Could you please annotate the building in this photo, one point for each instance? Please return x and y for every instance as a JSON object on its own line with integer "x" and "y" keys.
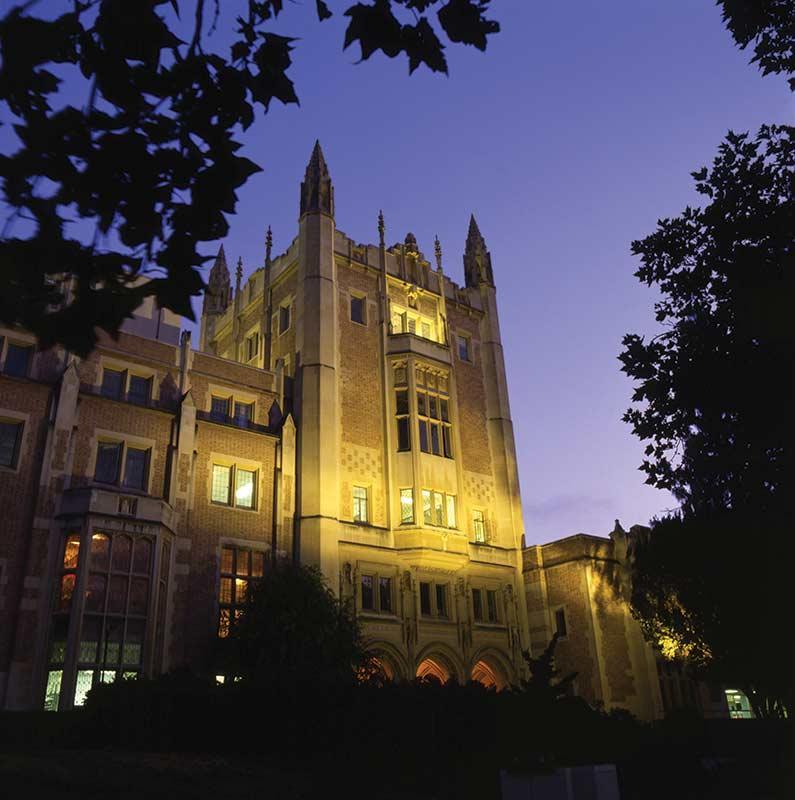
{"x": 347, "y": 405}
{"x": 578, "y": 588}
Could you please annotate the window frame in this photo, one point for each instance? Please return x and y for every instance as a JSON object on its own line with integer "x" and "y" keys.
{"x": 435, "y": 590}
{"x": 485, "y": 594}
{"x": 432, "y": 404}
{"x": 433, "y": 501}
{"x": 479, "y": 517}
{"x": 358, "y": 502}
{"x": 233, "y": 467}
{"x": 6, "y": 344}
{"x": 560, "y": 610}
{"x": 124, "y": 445}
{"x": 127, "y": 372}
{"x": 285, "y": 307}
{"x": 402, "y": 493}
{"x": 256, "y": 559}
{"x": 19, "y": 424}
{"x": 464, "y": 339}
{"x": 358, "y": 297}
{"x": 376, "y": 574}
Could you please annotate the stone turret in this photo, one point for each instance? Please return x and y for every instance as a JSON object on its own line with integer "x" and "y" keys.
{"x": 317, "y": 193}
{"x": 218, "y": 294}
{"x": 477, "y": 259}
{"x": 217, "y": 297}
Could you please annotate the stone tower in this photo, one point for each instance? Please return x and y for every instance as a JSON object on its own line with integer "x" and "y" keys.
{"x": 217, "y": 297}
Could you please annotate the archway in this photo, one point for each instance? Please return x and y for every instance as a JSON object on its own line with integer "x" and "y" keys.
{"x": 490, "y": 676}
{"x": 433, "y": 669}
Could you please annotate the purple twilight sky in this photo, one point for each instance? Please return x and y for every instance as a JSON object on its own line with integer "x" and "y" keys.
{"x": 568, "y": 138}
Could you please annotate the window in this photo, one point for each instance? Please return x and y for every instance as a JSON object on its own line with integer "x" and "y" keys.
{"x": 359, "y": 504}
{"x": 406, "y": 506}
{"x": 10, "y": 440}
{"x": 112, "y": 383}
{"x": 219, "y": 408}
{"x": 402, "y": 410}
{"x": 479, "y": 526}
{"x": 140, "y": 390}
{"x": 560, "y": 622}
{"x": 403, "y": 321}
{"x": 433, "y": 413}
{"x": 434, "y": 599}
{"x": 284, "y": 318}
{"x": 123, "y": 385}
{"x": 358, "y": 310}
{"x": 18, "y": 358}
{"x": 121, "y": 464}
{"x": 227, "y": 409}
{"x": 477, "y": 604}
{"x": 244, "y": 413}
{"x": 438, "y": 509}
{"x": 116, "y": 604}
{"x": 491, "y": 605}
{"x": 239, "y": 568}
{"x": 376, "y": 593}
{"x": 252, "y": 346}
{"x": 244, "y": 481}
{"x": 464, "y": 347}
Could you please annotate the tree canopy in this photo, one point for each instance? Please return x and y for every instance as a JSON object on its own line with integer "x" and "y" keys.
{"x": 149, "y": 162}
{"x": 294, "y": 634}
{"x": 714, "y": 397}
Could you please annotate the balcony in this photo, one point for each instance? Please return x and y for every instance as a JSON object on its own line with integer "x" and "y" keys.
{"x": 113, "y": 503}
{"x": 241, "y": 423}
{"x": 163, "y": 403}
{"x": 412, "y": 343}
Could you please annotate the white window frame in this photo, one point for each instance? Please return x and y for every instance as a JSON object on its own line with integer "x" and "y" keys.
{"x": 233, "y": 466}
{"x": 357, "y": 502}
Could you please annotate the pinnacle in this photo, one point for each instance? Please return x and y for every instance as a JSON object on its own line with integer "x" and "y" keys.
{"x": 474, "y": 230}
{"x": 317, "y": 162}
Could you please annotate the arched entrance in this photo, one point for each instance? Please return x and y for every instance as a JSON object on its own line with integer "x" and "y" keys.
{"x": 433, "y": 669}
{"x": 488, "y": 675}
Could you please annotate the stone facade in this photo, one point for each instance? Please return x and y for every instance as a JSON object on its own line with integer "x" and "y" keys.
{"x": 347, "y": 405}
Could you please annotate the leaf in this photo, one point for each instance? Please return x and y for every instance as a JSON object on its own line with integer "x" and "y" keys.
{"x": 323, "y": 11}
{"x": 375, "y": 28}
{"x": 422, "y": 46}
{"x": 464, "y": 21}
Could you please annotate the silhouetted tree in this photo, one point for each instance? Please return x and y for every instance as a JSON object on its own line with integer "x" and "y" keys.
{"x": 294, "y": 634}
{"x": 148, "y": 163}
{"x": 770, "y": 26}
{"x": 544, "y": 685}
{"x": 714, "y": 399}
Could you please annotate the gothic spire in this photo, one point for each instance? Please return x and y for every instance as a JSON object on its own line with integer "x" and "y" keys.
{"x": 381, "y": 229}
{"x": 317, "y": 192}
{"x": 437, "y": 249}
{"x": 218, "y": 292}
{"x": 477, "y": 259}
{"x": 268, "y": 247}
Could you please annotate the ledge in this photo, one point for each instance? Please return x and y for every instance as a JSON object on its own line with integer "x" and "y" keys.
{"x": 116, "y": 503}
{"x": 410, "y": 343}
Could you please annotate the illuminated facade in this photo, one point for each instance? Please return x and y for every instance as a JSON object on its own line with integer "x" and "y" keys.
{"x": 347, "y": 405}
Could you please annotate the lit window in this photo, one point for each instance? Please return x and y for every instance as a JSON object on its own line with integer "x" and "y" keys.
{"x": 222, "y": 482}
{"x": 357, "y": 310}
{"x": 115, "y": 613}
{"x": 359, "y": 504}
{"x": 284, "y": 318}
{"x": 438, "y": 509}
{"x": 10, "y": 440}
{"x": 427, "y": 507}
{"x": 244, "y": 481}
{"x": 451, "y": 522}
{"x": 479, "y": 526}
{"x": 406, "y": 506}
{"x": 238, "y": 569}
{"x": 245, "y": 485}
{"x": 464, "y": 348}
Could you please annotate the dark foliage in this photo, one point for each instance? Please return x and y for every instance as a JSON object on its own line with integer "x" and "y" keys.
{"x": 714, "y": 399}
{"x": 770, "y": 26}
{"x": 294, "y": 633}
{"x": 544, "y": 685}
{"x": 135, "y": 179}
